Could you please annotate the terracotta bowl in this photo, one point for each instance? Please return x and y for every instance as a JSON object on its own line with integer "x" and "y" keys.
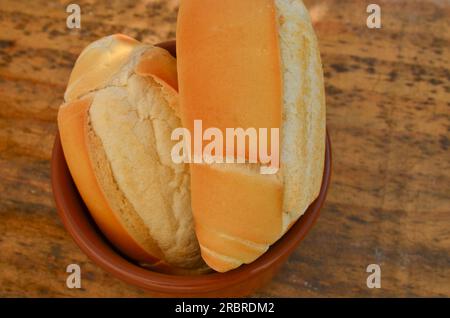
{"x": 239, "y": 282}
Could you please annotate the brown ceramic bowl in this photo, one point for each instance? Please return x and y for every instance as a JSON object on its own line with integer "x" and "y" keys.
{"x": 239, "y": 282}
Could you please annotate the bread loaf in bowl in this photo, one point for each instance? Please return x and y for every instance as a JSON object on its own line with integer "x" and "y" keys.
{"x": 263, "y": 71}
{"x": 121, "y": 105}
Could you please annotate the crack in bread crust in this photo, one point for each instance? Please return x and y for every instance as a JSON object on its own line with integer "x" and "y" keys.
{"x": 116, "y": 199}
{"x": 303, "y": 129}
{"x": 156, "y": 188}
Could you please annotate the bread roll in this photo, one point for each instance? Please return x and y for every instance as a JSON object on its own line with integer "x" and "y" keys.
{"x": 242, "y": 64}
{"x": 121, "y": 105}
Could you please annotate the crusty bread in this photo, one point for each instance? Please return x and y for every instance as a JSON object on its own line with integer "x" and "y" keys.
{"x": 242, "y": 64}
{"x": 121, "y": 107}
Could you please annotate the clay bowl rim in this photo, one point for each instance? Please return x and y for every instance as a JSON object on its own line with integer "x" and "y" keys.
{"x": 91, "y": 241}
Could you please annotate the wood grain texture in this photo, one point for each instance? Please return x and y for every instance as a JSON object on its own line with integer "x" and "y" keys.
{"x": 388, "y": 96}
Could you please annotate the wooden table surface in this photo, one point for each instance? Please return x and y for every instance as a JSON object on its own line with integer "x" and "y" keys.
{"x": 388, "y": 96}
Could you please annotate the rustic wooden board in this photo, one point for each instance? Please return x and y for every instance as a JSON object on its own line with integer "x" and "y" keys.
{"x": 388, "y": 95}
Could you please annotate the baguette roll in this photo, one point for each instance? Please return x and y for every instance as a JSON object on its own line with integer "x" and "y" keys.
{"x": 121, "y": 105}
{"x": 251, "y": 64}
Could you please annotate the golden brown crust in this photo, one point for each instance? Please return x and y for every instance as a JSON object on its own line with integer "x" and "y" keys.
{"x": 98, "y": 63}
{"x": 160, "y": 64}
{"x": 231, "y": 86}
{"x": 218, "y": 79}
